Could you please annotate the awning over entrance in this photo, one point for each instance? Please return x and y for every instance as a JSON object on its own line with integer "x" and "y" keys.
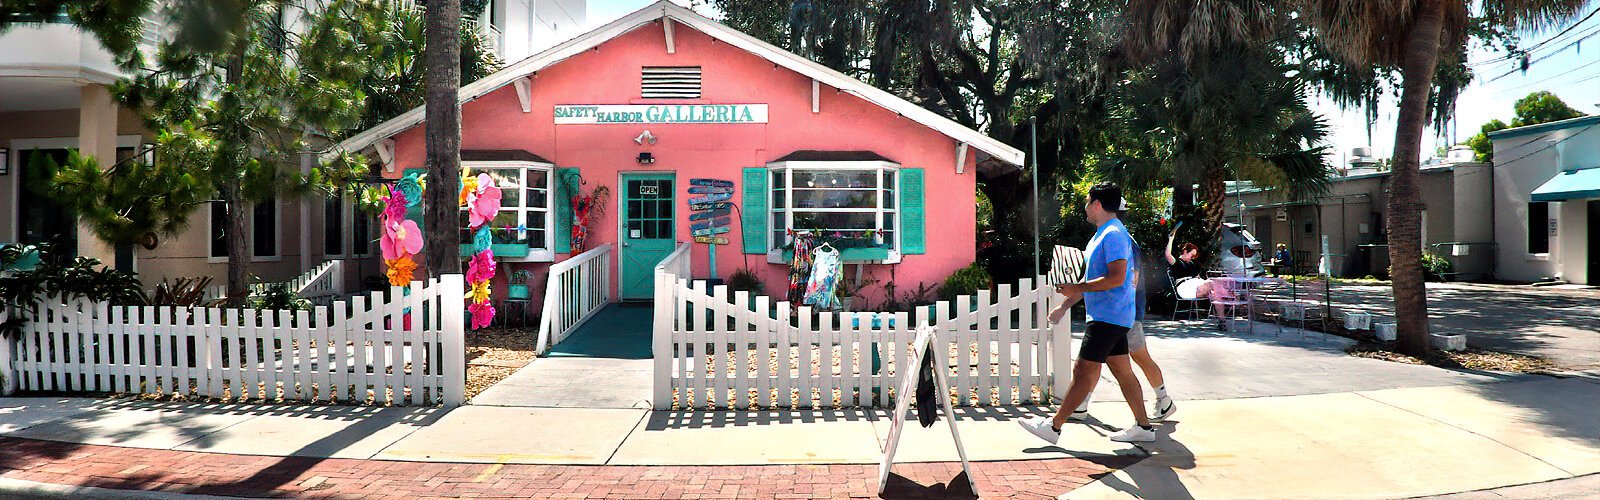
{"x": 1570, "y": 185}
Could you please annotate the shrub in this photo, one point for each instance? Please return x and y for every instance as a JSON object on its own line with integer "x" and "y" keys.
{"x": 1435, "y": 266}
{"x": 746, "y": 280}
{"x": 81, "y": 277}
{"x": 278, "y": 296}
{"x": 965, "y": 281}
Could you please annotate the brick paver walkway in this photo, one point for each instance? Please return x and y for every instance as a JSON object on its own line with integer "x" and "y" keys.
{"x": 243, "y": 475}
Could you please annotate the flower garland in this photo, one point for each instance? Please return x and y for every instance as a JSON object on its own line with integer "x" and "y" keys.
{"x": 482, "y": 200}
{"x": 402, "y": 239}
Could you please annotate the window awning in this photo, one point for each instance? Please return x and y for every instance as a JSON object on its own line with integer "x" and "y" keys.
{"x": 1570, "y": 185}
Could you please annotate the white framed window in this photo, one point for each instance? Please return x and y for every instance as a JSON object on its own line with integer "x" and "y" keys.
{"x": 526, "y": 198}
{"x": 856, "y": 201}
{"x": 265, "y": 230}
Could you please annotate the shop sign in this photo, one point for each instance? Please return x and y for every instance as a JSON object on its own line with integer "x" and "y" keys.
{"x": 578, "y": 114}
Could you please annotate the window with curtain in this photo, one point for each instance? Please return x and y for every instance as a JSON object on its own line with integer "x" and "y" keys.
{"x": 853, "y": 205}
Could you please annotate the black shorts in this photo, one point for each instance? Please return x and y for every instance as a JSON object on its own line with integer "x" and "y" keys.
{"x": 1103, "y": 340}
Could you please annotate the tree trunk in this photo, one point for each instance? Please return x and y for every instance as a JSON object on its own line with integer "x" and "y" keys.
{"x": 1405, "y": 217}
{"x": 1214, "y": 196}
{"x": 443, "y": 129}
{"x": 238, "y": 246}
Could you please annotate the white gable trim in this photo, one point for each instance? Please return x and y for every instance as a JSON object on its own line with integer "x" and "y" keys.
{"x": 665, "y": 9}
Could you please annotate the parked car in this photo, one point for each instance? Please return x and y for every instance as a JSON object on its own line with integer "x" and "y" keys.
{"x": 1241, "y": 253}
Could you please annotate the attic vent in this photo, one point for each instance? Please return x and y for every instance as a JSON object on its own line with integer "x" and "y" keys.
{"x": 670, "y": 82}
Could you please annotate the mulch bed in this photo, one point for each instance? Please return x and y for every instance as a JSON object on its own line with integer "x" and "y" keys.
{"x": 1470, "y": 359}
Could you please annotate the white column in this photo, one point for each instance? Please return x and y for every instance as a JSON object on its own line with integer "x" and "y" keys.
{"x": 97, "y": 137}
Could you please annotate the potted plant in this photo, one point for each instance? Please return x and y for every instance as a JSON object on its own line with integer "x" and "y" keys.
{"x": 517, "y": 284}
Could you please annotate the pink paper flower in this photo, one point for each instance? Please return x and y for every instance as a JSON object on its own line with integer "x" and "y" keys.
{"x": 481, "y": 267}
{"x": 395, "y": 208}
{"x": 401, "y": 238}
{"x": 482, "y": 314}
{"x": 485, "y": 206}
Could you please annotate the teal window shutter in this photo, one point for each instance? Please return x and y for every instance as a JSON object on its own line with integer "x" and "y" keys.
{"x": 567, "y": 183}
{"x": 753, "y": 211}
{"x": 912, "y": 213}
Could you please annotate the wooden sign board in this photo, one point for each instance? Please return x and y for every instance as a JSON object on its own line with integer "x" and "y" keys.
{"x": 720, "y": 212}
{"x": 717, "y": 222}
{"x": 711, "y": 240}
{"x": 710, "y": 198}
{"x": 709, "y": 231}
{"x": 902, "y": 406}
{"x": 711, "y": 182}
{"x": 709, "y": 206}
{"x": 709, "y": 190}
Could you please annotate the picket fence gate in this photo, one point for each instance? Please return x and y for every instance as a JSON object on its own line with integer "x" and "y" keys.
{"x": 714, "y": 349}
{"x": 389, "y": 347}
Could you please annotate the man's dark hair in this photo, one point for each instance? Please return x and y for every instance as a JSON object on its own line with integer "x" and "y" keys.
{"x": 1109, "y": 195}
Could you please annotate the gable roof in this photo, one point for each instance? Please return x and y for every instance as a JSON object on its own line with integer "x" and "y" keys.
{"x": 665, "y": 9}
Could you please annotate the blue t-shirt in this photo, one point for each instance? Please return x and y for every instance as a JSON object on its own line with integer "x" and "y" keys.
{"x": 1111, "y": 243}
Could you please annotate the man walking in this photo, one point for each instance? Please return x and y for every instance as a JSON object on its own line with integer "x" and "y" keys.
{"x": 1109, "y": 301}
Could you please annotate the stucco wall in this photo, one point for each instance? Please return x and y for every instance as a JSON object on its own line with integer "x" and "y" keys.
{"x": 610, "y": 74}
{"x": 1522, "y": 163}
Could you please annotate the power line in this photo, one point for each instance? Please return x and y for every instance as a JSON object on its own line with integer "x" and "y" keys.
{"x": 1547, "y": 147}
{"x": 1536, "y": 46}
{"x": 1522, "y": 68}
{"x": 1567, "y": 72}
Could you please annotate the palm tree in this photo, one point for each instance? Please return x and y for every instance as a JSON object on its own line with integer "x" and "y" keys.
{"x": 1226, "y": 113}
{"x": 443, "y": 135}
{"x": 1414, "y": 36}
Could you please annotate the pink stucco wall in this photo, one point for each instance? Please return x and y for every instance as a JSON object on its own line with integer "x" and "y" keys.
{"x": 610, "y": 74}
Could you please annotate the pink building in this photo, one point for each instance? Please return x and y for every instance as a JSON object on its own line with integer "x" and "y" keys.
{"x": 655, "y": 102}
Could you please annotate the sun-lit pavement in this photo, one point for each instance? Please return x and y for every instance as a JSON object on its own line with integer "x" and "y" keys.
{"x": 1267, "y": 414}
{"x": 1559, "y": 324}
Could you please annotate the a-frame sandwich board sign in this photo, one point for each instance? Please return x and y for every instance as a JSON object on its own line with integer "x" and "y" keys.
{"x": 923, "y": 347}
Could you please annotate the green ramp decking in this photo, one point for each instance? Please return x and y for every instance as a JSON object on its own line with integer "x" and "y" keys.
{"x": 620, "y": 331}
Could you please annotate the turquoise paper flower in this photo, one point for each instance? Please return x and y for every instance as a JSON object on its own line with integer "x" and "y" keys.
{"x": 412, "y": 189}
{"x": 482, "y": 240}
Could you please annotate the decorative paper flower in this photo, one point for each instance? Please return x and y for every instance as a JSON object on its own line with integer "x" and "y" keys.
{"x": 395, "y": 207}
{"x": 479, "y": 292}
{"x": 469, "y": 187}
{"x": 401, "y": 238}
{"x": 481, "y": 268}
{"x": 485, "y": 206}
{"x": 482, "y": 240}
{"x": 411, "y": 187}
{"x": 482, "y": 314}
{"x": 400, "y": 271}
{"x": 522, "y": 231}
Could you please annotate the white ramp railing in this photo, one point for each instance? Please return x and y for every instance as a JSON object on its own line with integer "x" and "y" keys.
{"x": 576, "y": 289}
{"x": 715, "y": 349}
{"x": 320, "y": 284}
{"x": 386, "y": 348}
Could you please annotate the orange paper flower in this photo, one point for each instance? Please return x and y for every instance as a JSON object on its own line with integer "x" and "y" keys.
{"x": 400, "y": 271}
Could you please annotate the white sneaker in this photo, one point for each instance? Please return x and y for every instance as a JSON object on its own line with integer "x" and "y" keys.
{"x": 1078, "y": 416}
{"x": 1164, "y": 409}
{"x": 1041, "y": 427}
{"x": 1134, "y": 434}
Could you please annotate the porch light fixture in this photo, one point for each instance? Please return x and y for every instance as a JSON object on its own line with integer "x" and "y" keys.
{"x": 5, "y": 161}
{"x": 645, "y": 158}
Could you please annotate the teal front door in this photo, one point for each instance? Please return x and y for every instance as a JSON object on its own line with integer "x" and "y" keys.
{"x": 648, "y": 231}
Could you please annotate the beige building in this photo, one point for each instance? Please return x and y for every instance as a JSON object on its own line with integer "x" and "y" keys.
{"x": 55, "y": 97}
{"x": 1456, "y": 197}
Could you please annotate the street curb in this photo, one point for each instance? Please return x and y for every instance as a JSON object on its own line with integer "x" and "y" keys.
{"x": 15, "y": 488}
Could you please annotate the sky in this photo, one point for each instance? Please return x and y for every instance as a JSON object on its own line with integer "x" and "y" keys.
{"x": 1569, "y": 68}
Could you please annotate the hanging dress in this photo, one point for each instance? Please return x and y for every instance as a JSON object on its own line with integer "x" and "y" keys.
{"x": 825, "y": 270}
{"x": 800, "y": 266}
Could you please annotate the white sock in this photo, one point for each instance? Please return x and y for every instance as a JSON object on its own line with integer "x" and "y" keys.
{"x": 1161, "y": 392}
{"x": 1083, "y": 407}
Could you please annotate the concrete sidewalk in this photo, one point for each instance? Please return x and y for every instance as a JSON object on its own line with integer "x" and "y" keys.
{"x": 1354, "y": 444}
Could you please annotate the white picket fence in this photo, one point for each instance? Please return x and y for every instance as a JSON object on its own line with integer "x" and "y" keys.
{"x": 386, "y": 348}
{"x": 577, "y": 288}
{"x": 714, "y": 349}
